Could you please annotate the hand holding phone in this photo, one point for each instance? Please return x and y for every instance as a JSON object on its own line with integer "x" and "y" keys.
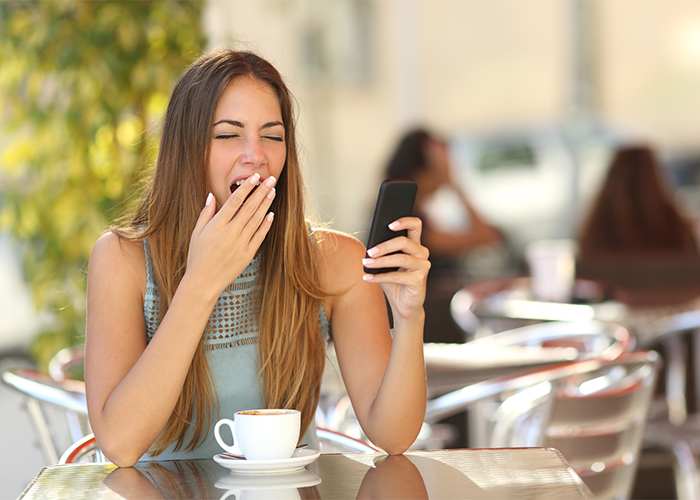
{"x": 395, "y": 200}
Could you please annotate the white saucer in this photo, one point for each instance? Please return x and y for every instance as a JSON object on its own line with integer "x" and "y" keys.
{"x": 295, "y": 479}
{"x": 300, "y": 459}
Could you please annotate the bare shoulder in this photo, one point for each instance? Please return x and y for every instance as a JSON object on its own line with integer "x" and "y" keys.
{"x": 339, "y": 256}
{"x": 337, "y": 247}
{"x": 113, "y": 255}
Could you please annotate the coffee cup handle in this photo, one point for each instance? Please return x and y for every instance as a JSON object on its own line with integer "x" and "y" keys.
{"x": 235, "y": 450}
{"x": 236, "y": 494}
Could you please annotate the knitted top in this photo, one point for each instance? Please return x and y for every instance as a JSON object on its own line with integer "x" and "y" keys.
{"x": 231, "y": 344}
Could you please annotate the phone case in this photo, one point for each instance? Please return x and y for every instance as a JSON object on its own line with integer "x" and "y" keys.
{"x": 395, "y": 200}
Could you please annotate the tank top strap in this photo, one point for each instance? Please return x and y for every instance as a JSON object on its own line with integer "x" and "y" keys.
{"x": 151, "y": 302}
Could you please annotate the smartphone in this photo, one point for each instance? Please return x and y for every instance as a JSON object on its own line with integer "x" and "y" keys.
{"x": 395, "y": 200}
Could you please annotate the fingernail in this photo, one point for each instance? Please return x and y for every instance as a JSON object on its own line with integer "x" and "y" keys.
{"x": 270, "y": 217}
{"x": 270, "y": 181}
{"x": 368, "y": 277}
{"x": 271, "y": 194}
{"x": 394, "y": 225}
{"x": 366, "y": 262}
{"x": 209, "y": 199}
{"x": 254, "y": 178}
{"x": 372, "y": 252}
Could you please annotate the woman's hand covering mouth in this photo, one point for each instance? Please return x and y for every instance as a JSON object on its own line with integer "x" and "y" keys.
{"x": 238, "y": 183}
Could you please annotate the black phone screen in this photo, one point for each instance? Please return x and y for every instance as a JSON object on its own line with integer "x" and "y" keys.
{"x": 395, "y": 200}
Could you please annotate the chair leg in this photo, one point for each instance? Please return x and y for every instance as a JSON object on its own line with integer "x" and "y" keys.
{"x": 74, "y": 425}
{"x": 675, "y": 380}
{"x": 685, "y": 466}
{"x": 42, "y": 431}
{"x": 686, "y": 472}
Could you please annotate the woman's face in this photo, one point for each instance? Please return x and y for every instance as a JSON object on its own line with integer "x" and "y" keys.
{"x": 247, "y": 137}
{"x": 438, "y": 157}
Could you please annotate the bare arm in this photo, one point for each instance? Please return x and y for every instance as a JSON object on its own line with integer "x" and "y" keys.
{"x": 385, "y": 377}
{"x": 132, "y": 387}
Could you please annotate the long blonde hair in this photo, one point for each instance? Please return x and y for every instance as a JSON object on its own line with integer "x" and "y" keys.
{"x": 290, "y": 342}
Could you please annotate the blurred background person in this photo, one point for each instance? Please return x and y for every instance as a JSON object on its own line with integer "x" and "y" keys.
{"x": 452, "y": 227}
{"x": 636, "y": 238}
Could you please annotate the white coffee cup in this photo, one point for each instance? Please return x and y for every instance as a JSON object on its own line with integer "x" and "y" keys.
{"x": 280, "y": 494}
{"x": 262, "y": 434}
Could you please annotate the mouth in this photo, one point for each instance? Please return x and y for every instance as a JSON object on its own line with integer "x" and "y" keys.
{"x": 239, "y": 182}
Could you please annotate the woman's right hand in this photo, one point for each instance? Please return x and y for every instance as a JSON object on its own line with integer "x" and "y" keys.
{"x": 223, "y": 243}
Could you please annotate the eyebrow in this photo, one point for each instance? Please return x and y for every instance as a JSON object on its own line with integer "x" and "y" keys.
{"x": 239, "y": 124}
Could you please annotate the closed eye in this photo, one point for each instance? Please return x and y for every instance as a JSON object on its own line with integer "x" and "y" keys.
{"x": 273, "y": 138}
{"x": 226, "y": 136}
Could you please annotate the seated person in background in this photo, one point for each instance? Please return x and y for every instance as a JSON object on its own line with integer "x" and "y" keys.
{"x": 635, "y": 236}
{"x": 451, "y": 227}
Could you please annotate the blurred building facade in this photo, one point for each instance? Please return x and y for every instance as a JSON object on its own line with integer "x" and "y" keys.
{"x": 363, "y": 71}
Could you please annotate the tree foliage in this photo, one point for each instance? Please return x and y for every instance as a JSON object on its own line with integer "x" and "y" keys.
{"x": 83, "y": 85}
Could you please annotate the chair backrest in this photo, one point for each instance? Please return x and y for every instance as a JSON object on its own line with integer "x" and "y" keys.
{"x": 589, "y": 338}
{"x": 337, "y": 442}
{"x": 67, "y": 364}
{"x": 83, "y": 450}
{"x": 504, "y": 303}
{"x": 665, "y": 327}
{"x": 594, "y": 411}
{"x": 67, "y": 395}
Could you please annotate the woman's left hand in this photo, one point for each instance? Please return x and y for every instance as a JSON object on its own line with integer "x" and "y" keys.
{"x": 405, "y": 288}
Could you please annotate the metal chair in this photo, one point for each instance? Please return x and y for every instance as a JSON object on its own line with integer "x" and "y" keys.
{"x": 504, "y": 303}
{"x": 68, "y": 395}
{"x": 668, "y": 331}
{"x": 67, "y": 364}
{"x": 594, "y": 411}
{"x": 83, "y": 450}
{"x": 672, "y": 426}
{"x": 588, "y": 338}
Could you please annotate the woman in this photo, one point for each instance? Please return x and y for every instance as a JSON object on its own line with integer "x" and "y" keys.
{"x": 635, "y": 215}
{"x": 636, "y": 239}
{"x": 218, "y": 296}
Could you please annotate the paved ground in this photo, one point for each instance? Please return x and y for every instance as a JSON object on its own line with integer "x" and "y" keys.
{"x": 21, "y": 456}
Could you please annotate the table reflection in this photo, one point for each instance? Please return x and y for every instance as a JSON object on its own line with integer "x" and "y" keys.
{"x": 295, "y": 485}
{"x": 393, "y": 477}
{"x": 164, "y": 480}
{"x": 205, "y": 479}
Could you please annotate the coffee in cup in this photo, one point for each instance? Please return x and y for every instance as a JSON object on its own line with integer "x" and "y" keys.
{"x": 262, "y": 434}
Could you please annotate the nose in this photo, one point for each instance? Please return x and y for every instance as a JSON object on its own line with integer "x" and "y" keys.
{"x": 253, "y": 154}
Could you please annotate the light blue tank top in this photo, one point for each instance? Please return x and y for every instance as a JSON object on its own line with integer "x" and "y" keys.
{"x": 231, "y": 343}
